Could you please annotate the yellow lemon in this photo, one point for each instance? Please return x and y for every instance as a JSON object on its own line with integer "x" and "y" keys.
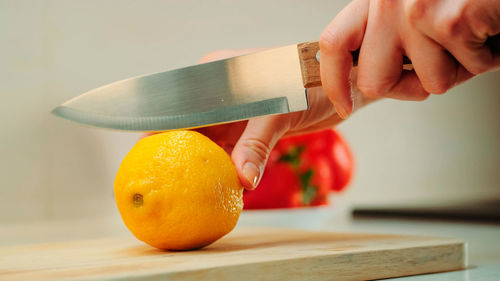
{"x": 178, "y": 190}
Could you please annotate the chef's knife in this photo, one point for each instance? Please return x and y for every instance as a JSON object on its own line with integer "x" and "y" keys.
{"x": 268, "y": 82}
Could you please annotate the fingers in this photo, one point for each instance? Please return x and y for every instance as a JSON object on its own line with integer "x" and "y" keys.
{"x": 462, "y": 28}
{"x": 436, "y": 69}
{"x": 380, "y": 72}
{"x": 252, "y": 149}
{"x": 342, "y": 36}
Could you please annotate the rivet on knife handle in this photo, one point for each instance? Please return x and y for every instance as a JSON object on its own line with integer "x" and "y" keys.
{"x": 309, "y": 64}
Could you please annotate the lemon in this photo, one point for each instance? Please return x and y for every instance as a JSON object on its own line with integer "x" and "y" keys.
{"x": 178, "y": 190}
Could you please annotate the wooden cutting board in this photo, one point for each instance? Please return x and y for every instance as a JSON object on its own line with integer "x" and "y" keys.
{"x": 244, "y": 254}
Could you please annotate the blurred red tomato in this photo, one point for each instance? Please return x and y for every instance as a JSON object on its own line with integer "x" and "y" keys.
{"x": 342, "y": 162}
{"x": 302, "y": 170}
{"x": 278, "y": 188}
{"x": 330, "y": 145}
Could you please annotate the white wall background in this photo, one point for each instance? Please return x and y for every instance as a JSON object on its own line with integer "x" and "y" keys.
{"x": 443, "y": 149}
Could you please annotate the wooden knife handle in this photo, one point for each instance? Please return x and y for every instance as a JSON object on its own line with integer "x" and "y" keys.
{"x": 310, "y": 65}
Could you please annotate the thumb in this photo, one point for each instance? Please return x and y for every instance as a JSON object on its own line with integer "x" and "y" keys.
{"x": 251, "y": 151}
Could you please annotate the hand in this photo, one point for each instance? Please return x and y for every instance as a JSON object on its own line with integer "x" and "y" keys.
{"x": 448, "y": 42}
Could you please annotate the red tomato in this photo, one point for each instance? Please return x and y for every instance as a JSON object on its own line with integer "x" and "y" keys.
{"x": 302, "y": 170}
{"x": 330, "y": 144}
{"x": 342, "y": 162}
{"x": 316, "y": 189}
{"x": 278, "y": 188}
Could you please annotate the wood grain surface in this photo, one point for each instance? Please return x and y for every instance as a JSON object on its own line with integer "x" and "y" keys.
{"x": 309, "y": 64}
{"x": 245, "y": 254}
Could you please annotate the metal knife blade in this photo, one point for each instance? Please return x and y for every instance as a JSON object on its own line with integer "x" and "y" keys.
{"x": 267, "y": 82}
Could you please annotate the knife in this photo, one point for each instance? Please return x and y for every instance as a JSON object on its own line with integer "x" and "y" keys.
{"x": 274, "y": 81}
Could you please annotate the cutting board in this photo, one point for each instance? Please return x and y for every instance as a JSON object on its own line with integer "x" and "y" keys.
{"x": 244, "y": 254}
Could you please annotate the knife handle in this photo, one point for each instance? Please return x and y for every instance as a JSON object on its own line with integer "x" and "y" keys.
{"x": 309, "y": 63}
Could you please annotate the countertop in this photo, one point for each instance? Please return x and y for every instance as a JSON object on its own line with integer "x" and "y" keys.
{"x": 483, "y": 239}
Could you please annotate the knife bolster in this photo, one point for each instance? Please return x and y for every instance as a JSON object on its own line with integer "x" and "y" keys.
{"x": 308, "y": 64}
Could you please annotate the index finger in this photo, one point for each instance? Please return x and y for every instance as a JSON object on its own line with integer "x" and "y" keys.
{"x": 342, "y": 36}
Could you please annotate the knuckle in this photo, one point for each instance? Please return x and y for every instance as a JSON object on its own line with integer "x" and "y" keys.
{"x": 437, "y": 86}
{"x": 478, "y": 68}
{"x": 328, "y": 42}
{"x": 371, "y": 89}
{"x": 416, "y": 10}
{"x": 258, "y": 146}
{"x": 449, "y": 26}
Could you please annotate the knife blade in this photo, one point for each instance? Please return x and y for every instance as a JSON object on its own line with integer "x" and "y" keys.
{"x": 274, "y": 81}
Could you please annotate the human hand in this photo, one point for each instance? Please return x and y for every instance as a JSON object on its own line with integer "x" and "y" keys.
{"x": 448, "y": 42}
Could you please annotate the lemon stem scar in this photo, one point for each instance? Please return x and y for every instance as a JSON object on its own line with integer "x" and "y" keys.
{"x": 138, "y": 200}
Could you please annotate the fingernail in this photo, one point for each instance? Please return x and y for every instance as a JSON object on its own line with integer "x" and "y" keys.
{"x": 251, "y": 173}
{"x": 341, "y": 112}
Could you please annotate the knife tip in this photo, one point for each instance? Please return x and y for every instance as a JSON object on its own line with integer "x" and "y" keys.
{"x": 56, "y": 111}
